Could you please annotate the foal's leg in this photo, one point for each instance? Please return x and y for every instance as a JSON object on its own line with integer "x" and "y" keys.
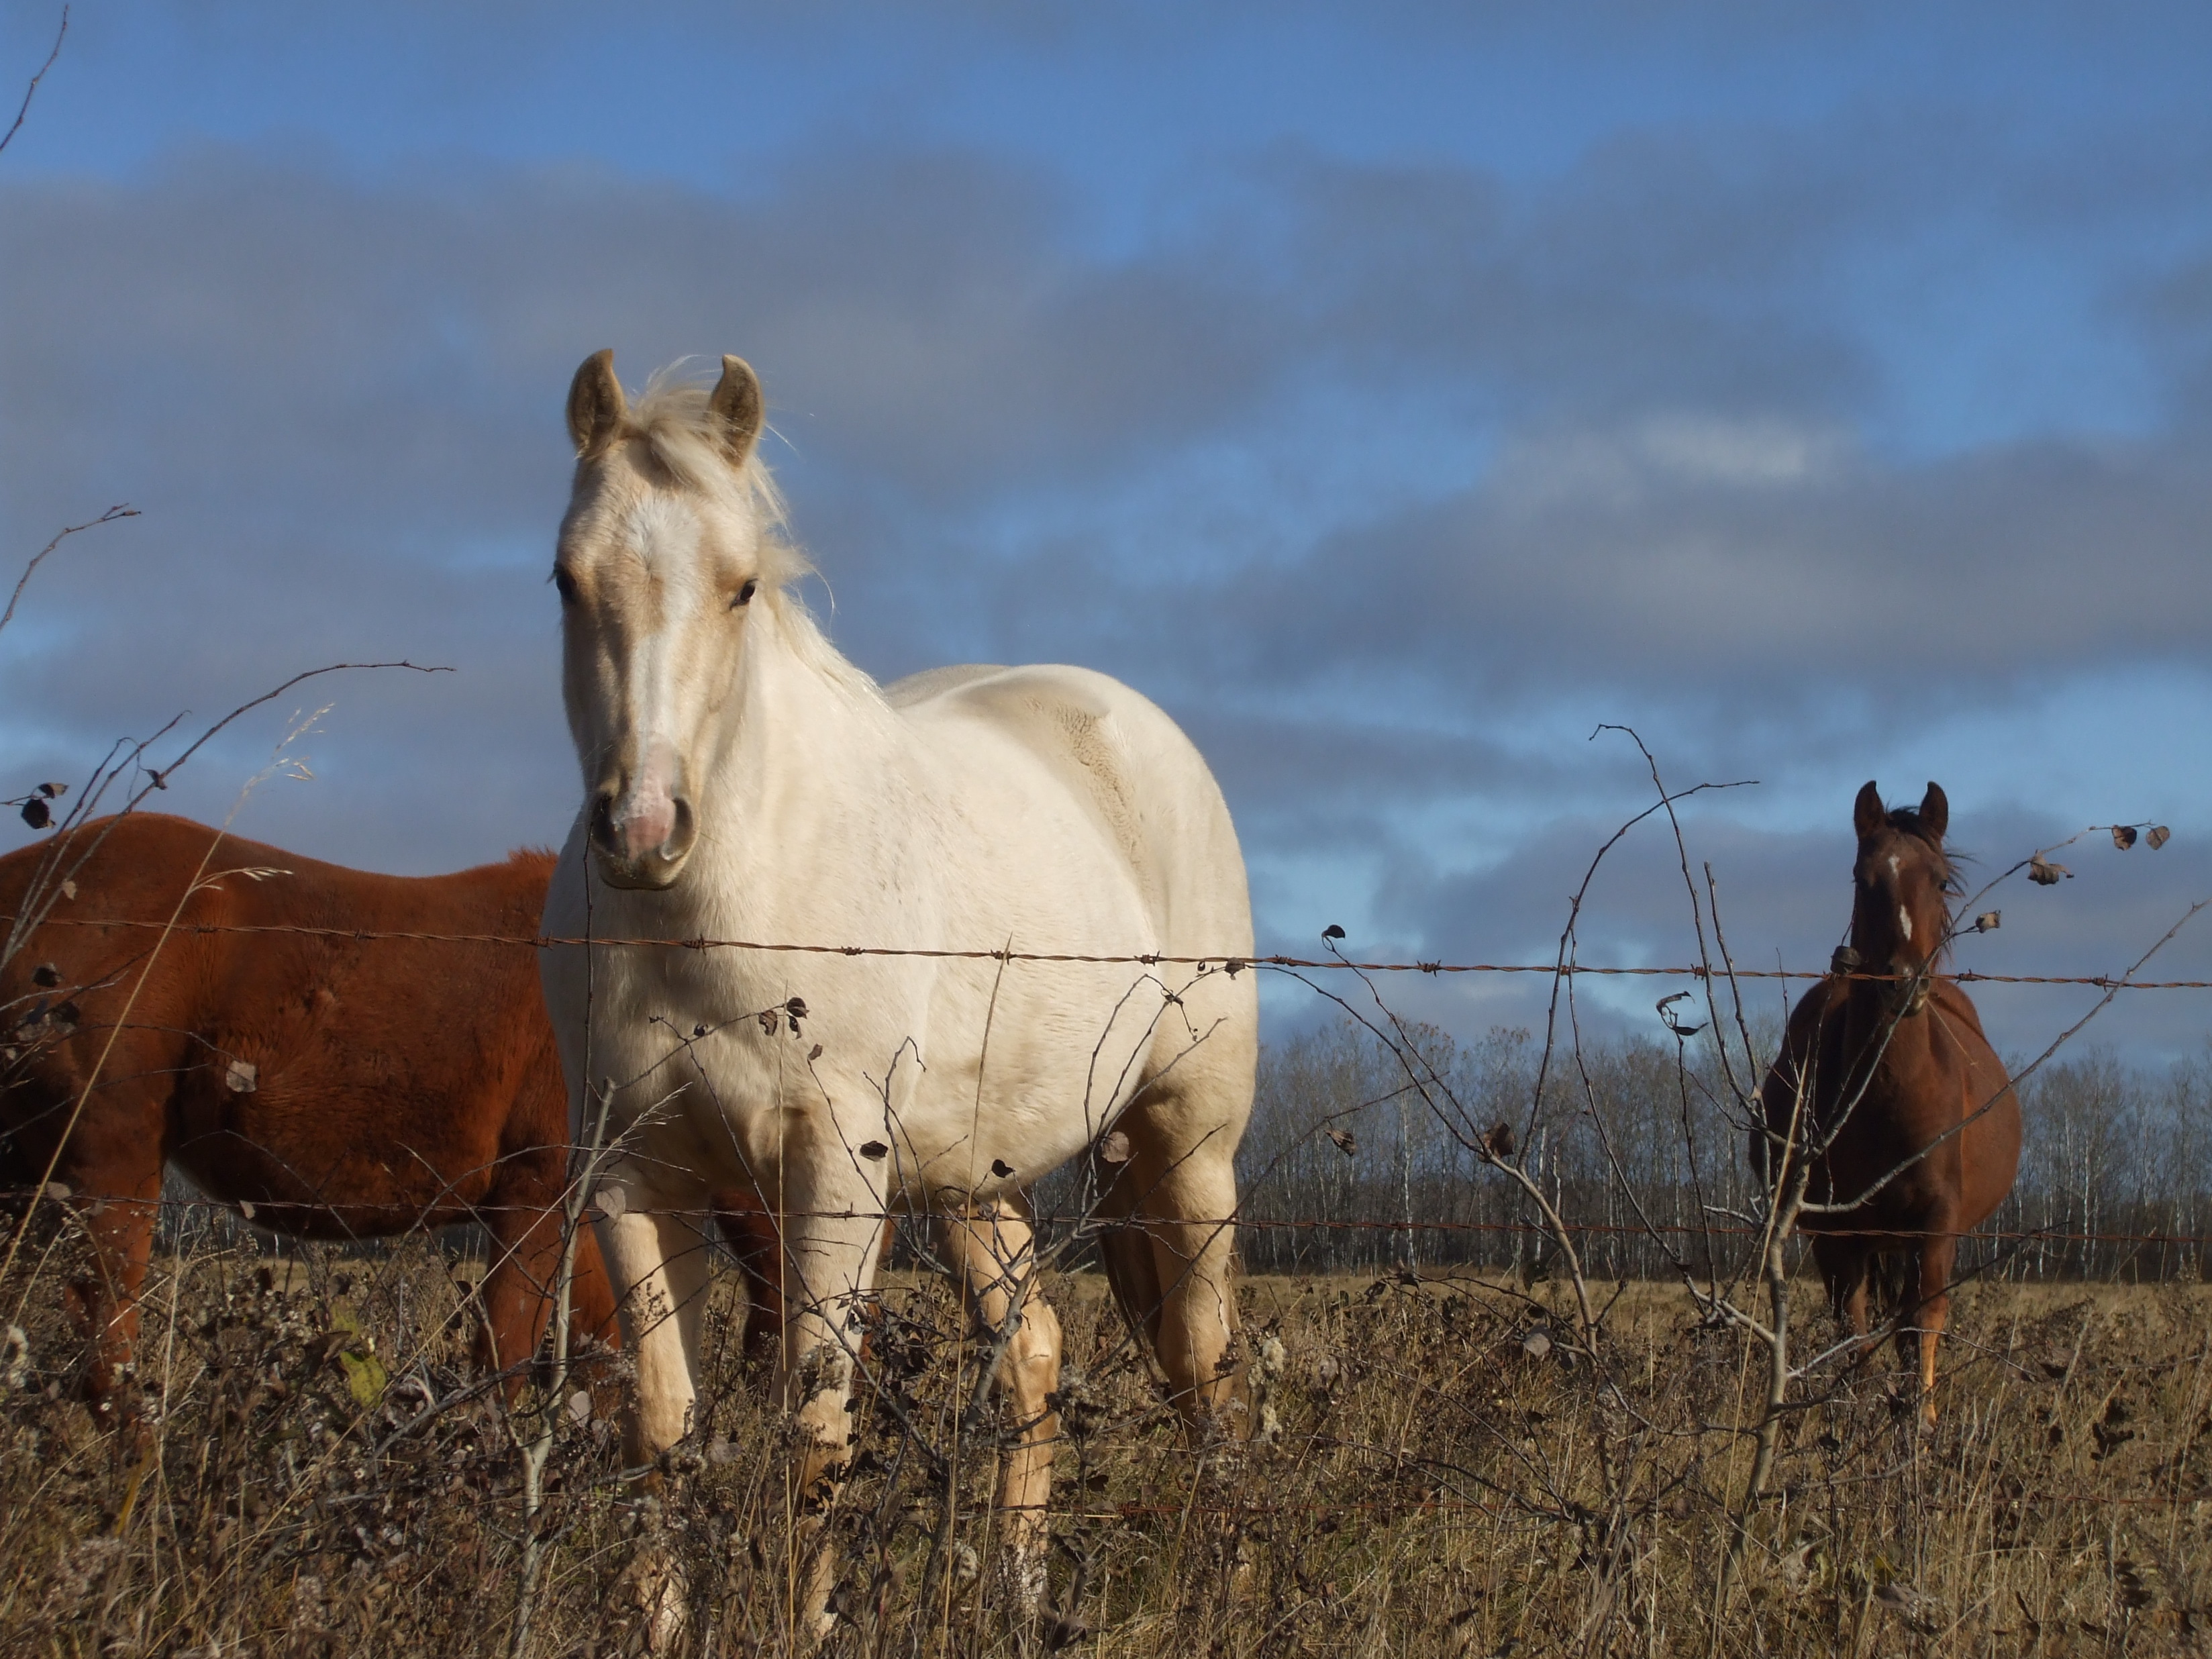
{"x": 994, "y": 1251}
{"x": 658, "y": 1264}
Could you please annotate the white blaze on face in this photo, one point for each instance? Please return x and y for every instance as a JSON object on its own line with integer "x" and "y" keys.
{"x": 666, "y": 534}
{"x": 1905, "y": 920}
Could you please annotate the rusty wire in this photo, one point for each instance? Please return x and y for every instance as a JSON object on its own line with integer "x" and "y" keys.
{"x": 1288, "y": 1224}
{"x": 1222, "y": 961}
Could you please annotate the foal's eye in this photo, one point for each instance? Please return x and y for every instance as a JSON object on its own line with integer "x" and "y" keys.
{"x": 744, "y": 595}
{"x": 565, "y": 585}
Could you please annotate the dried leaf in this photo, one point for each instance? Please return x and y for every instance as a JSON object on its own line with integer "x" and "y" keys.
{"x": 1001, "y": 1168}
{"x": 2158, "y": 834}
{"x": 874, "y": 1151}
{"x": 46, "y": 974}
{"x": 35, "y": 813}
{"x": 245, "y": 1208}
{"x": 1499, "y": 1140}
{"x": 767, "y": 1017}
{"x": 69, "y": 888}
{"x": 366, "y": 1377}
{"x": 2044, "y": 873}
{"x": 1115, "y": 1148}
{"x": 698, "y": 1031}
{"x": 1989, "y": 921}
{"x": 242, "y": 1077}
{"x": 1536, "y": 1345}
{"x": 610, "y": 1201}
{"x": 580, "y": 1408}
{"x": 57, "y": 1190}
{"x": 2123, "y": 835}
{"x": 1347, "y": 1142}
{"x": 1332, "y": 931}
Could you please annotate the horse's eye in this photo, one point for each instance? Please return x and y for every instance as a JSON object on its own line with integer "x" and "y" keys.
{"x": 565, "y": 585}
{"x": 744, "y": 595}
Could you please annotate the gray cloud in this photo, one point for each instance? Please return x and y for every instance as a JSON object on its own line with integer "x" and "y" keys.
{"x": 339, "y": 405}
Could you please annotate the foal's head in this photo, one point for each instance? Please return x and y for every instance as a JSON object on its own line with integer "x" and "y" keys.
{"x": 670, "y": 547}
{"x": 1900, "y": 912}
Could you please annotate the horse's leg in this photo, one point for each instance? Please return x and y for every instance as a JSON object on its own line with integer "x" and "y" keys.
{"x": 1938, "y": 1254}
{"x": 830, "y": 1249}
{"x": 994, "y": 1251}
{"x": 527, "y": 1225}
{"x": 1843, "y": 1264}
{"x": 751, "y": 1233}
{"x": 104, "y": 1300}
{"x": 1180, "y": 1189}
{"x": 526, "y": 1259}
{"x": 110, "y": 1167}
{"x": 657, "y": 1259}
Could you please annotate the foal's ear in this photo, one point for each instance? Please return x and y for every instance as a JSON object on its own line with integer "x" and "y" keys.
{"x": 737, "y": 399}
{"x": 1935, "y": 811}
{"x": 595, "y": 403}
{"x": 1867, "y": 814}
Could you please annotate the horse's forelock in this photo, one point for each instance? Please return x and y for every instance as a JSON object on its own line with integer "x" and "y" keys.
{"x": 1906, "y": 821}
{"x": 684, "y": 438}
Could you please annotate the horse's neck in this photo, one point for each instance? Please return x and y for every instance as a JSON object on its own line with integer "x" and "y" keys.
{"x": 1902, "y": 1042}
{"x": 813, "y": 760}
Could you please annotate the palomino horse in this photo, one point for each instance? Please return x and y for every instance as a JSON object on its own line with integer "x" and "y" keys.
{"x": 1886, "y": 1095}
{"x": 742, "y": 780}
{"x": 331, "y": 1087}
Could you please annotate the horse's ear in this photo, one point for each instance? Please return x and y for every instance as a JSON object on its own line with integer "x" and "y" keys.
{"x": 595, "y": 403}
{"x": 1935, "y": 811}
{"x": 737, "y": 400}
{"x": 1867, "y": 814}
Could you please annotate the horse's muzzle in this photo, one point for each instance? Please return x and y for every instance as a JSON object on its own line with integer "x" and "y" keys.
{"x": 641, "y": 851}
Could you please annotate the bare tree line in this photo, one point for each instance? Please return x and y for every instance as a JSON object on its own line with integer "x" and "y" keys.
{"x": 1345, "y": 1170}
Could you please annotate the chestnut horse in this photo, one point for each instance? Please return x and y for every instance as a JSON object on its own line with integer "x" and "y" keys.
{"x": 327, "y": 1087}
{"x": 1906, "y": 1123}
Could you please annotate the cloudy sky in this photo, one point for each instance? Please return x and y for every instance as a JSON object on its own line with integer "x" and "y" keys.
{"x": 1395, "y": 392}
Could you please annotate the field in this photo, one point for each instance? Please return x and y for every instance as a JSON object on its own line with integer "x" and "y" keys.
{"x": 1439, "y": 1471}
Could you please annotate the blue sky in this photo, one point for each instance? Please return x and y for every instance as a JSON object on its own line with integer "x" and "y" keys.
{"x": 1395, "y": 392}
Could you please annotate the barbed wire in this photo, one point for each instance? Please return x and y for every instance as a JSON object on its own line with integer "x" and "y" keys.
{"x": 707, "y": 1214}
{"x": 1219, "y": 960}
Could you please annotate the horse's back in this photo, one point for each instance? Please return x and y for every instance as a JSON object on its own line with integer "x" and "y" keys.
{"x": 1133, "y": 772}
{"x": 306, "y": 1051}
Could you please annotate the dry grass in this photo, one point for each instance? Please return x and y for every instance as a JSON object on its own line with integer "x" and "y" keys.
{"x": 1429, "y": 1483}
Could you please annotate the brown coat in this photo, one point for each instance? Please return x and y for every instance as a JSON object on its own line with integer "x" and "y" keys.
{"x": 344, "y": 1088}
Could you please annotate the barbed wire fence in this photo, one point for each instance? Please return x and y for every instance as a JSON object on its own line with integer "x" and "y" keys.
{"x": 1624, "y": 1167}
